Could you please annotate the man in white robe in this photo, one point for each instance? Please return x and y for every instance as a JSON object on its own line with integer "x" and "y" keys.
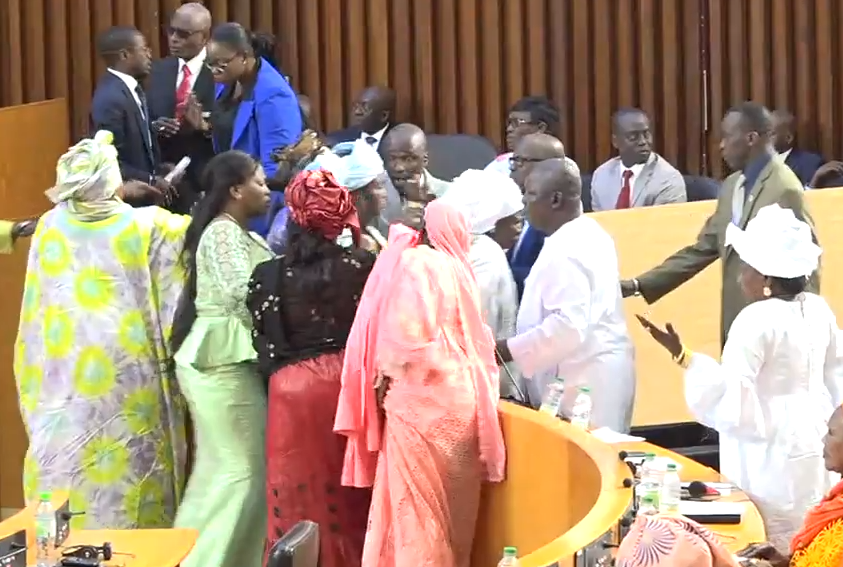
{"x": 571, "y": 322}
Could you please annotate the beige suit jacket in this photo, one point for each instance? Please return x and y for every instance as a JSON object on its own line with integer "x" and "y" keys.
{"x": 776, "y": 184}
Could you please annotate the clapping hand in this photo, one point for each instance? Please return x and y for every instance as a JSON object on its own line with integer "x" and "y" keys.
{"x": 193, "y": 112}
{"x": 165, "y": 127}
{"x": 668, "y": 337}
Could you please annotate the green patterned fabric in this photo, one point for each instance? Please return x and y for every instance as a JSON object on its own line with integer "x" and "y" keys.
{"x": 217, "y": 372}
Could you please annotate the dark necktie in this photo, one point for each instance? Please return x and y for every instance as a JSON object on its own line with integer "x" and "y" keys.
{"x": 144, "y": 112}
{"x": 372, "y": 141}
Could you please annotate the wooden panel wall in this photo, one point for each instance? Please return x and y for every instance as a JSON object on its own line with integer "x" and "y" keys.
{"x": 458, "y": 64}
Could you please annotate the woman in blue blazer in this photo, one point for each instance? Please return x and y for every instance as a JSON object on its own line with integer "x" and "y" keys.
{"x": 256, "y": 109}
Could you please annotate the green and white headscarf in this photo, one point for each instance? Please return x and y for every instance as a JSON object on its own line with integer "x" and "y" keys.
{"x": 88, "y": 177}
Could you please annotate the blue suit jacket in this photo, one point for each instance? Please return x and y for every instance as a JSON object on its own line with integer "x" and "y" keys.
{"x": 522, "y": 261}
{"x": 270, "y": 119}
{"x": 804, "y": 164}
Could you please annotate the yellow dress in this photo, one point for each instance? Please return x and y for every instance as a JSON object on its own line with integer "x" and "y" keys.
{"x": 96, "y": 386}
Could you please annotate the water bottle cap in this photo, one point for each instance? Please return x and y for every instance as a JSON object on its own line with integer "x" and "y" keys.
{"x": 648, "y": 498}
{"x": 585, "y": 389}
{"x": 510, "y": 551}
{"x": 649, "y": 455}
{"x": 671, "y": 466}
{"x": 45, "y": 496}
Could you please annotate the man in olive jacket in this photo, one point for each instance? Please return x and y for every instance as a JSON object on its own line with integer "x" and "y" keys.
{"x": 761, "y": 179}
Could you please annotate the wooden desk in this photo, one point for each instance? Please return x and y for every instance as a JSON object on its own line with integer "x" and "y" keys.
{"x": 750, "y": 530}
{"x": 145, "y": 548}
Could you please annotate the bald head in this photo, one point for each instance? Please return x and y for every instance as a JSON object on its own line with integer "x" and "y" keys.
{"x": 190, "y": 28}
{"x": 406, "y": 136}
{"x": 555, "y": 176}
{"x": 784, "y": 130}
{"x": 539, "y": 146}
{"x": 553, "y": 195}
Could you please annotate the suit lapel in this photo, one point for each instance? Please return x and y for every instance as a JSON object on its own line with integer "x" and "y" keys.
{"x": 143, "y": 125}
{"x": 168, "y": 89}
{"x": 639, "y": 190}
{"x": 241, "y": 121}
{"x": 204, "y": 88}
{"x": 752, "y": 196}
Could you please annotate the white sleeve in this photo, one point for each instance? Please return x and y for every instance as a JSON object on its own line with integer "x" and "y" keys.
{"x": 566, "y": 297}
{"x": 833, "y": 370}
{"x": 723, "y": 395}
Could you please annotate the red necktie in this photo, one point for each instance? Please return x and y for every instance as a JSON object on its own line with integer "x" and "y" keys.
{"x": 626, "y": 191}
{"x": 183, "y": 92}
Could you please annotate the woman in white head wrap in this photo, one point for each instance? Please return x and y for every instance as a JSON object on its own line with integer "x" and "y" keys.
{"x": 487, "y": 198}
{"x": 361, "y": 170}
{"x": 777, "y": 383}
{"x": 97, "y": 394}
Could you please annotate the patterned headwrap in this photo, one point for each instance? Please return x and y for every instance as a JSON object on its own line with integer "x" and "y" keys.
{"x": 88, "y": 177}
{"x": 671, "y": 540}
{"x": 320, "y": 204}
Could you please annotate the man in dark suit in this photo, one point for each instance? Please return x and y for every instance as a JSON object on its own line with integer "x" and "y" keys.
{"x": 171, "y": 83}
{"x": 803, "y": 163}
{"x": 372, "y": 116}
{"x": 119, "y": 106}
{"x": 528, "y": 151}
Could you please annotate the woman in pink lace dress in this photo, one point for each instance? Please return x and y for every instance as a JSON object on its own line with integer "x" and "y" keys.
{"x": 419, "y": 328}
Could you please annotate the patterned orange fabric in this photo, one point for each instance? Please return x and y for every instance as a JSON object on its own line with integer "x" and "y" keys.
{"x": 441, "y": 434}
{"x": 357, "y": 413}
{"x": 670, "y": 540}
{"x": 819, "y": 517}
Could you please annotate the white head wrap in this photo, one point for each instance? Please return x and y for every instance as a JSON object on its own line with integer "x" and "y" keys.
{"x": 88, "y": 177}
{"x": 776, "y": 244}
{"x": 329, "y": 162}
{"x": 484, "y": 197}
{"x": 362, "y": 164}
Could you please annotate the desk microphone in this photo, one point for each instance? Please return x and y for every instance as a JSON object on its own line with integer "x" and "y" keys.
{"x": 525, "y": 401}
{"x": 698, "y": 490}
{"x": 67, "y": 516}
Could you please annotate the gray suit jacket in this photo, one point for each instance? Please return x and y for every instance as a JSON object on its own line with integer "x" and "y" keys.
{"x": 394, "y": 211}
{"x": 658, "y": 184}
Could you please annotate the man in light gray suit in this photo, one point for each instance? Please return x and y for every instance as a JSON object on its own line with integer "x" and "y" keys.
{"x": 404, "y": 150}
{"x": 638, "y": 177}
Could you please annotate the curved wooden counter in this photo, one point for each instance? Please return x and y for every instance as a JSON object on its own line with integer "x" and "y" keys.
{"x": 563, "y": 490}
{"x": 25, "y": 519}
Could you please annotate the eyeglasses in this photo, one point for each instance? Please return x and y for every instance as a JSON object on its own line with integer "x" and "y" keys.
{"x": 219, "y": 66}
{"x": 181, "y": 33}
{"x": 516, "y": 122}
{"x": 517, "y": 162}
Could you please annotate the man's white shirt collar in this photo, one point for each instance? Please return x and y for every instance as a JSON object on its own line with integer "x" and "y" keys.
{"x": 195, "y": 64}
{"x": 128, "y": 80}
{"x": 377, "y": 135}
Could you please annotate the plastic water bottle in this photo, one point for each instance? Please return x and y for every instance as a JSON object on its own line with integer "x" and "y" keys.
{"x": 650, "y": 479}
{"x": 510, "y": 557}
{"x": 45, "y": 531}
{"x": 671, "y": 490}
{"x": 581, "y": 414}
{"x": 552, "y": 401}
{"x": 647, "y": 507}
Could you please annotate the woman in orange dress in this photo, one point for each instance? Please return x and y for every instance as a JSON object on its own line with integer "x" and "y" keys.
{"x": 420, "y": 330}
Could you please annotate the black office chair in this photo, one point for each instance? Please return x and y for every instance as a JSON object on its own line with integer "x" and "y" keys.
{"x": 701, "y": 188}
{"x": 450, "y": 155}
{"x": 299, "y": 547}
{"x": 586, "y": 192}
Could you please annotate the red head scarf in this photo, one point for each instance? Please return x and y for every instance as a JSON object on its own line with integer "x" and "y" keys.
{"x": 318, "y": 203}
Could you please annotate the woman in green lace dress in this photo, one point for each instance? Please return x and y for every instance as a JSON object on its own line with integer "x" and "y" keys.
{"x": 216, "y": 368}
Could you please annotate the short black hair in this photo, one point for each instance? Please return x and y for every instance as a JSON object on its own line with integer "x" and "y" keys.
{"x": 755, "y": 117}
{"x": 623, "y": 113}
{"x": 115, "y": 39}
{"x": 541, "y": 109}
{"x": 791, "y": 286}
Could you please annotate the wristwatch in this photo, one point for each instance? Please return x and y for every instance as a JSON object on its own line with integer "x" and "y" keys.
{"x": 636, "y": 287}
